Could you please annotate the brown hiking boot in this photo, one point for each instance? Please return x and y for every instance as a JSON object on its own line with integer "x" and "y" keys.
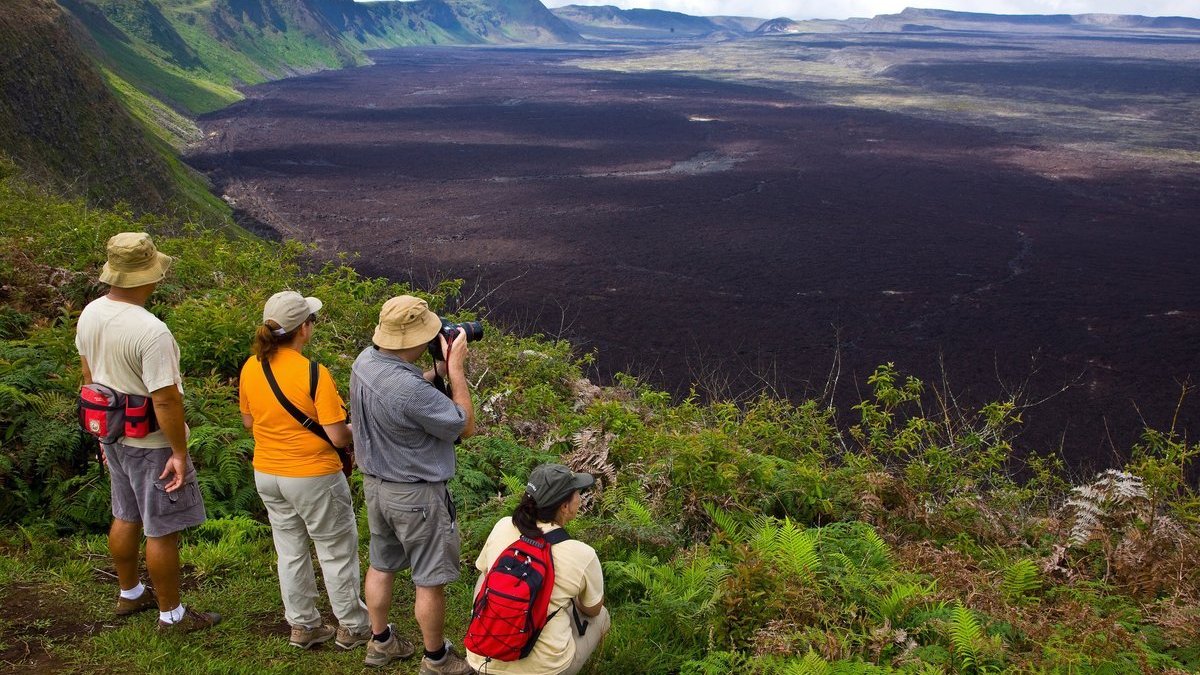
{"x": 139, "y": 604}
{"x": 452, "y": 664}
{"x": 191, "y": 621}
{"x": 383, "y": 653}
{"x": 307, "y": 638}
{"x": 348, "y": 639}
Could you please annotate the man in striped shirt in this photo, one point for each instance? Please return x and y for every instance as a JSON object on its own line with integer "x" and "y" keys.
{"x": 404, "y": 435}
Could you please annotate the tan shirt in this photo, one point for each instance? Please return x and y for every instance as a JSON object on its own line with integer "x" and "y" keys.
{"x": 131, "y": 350}
{"x": 577, "y": 574}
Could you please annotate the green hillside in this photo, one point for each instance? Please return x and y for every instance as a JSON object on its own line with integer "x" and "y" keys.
{"x": 98, "y": 98}
{"x": 60, "y": 120}
{"x": 192, "y": 54}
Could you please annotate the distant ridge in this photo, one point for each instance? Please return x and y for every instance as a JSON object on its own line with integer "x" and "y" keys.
{"x": 912, "y": 15}
{"x": 610, "y": 21}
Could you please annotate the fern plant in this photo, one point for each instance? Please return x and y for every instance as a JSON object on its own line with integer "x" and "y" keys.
{"x": 788, "y": 545}
{"x": 968, "y": 644}
{"x": 811, "y": 664}
{"x": 1021, "y": 579}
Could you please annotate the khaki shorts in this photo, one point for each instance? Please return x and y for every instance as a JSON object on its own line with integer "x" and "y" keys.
{"x": 138, "y": 495}
{"x": 413, "y": 525}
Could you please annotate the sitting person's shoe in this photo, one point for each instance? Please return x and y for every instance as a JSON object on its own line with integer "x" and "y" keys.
{"x": 139, "y": 604}
{"x": 451, "y": 664}
{"x": 348, "y": 639}
{"x": 191, "y": 621}
{"x": 307, "y": 638}
{"x": 383, "y": 653}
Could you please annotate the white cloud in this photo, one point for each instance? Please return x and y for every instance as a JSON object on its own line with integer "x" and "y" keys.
{"x": 841, "y": 9}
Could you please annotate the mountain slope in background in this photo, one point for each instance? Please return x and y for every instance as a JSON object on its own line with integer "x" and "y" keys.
{"x": 96, "y": 95}
{"x": 192, "y": 54}
{"x": 608, "y": 21}
{"x": 60, "y": 120}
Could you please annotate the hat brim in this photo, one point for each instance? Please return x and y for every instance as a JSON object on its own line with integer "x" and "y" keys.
{"x": 314, "y": 304}
{"x": 413, "y": 336}
{"x": 583, "y": 481}
{"x": 153, "y": 273}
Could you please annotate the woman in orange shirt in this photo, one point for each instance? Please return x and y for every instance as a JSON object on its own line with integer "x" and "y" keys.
{"x": 298, "y": 473}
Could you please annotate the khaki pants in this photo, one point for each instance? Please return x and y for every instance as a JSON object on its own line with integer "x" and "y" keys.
{"x": 317, "y": 509}
{"x": 586, "y": 644}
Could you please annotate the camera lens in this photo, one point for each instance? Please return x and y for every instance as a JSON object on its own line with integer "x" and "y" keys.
{"x": 473, "y": 330}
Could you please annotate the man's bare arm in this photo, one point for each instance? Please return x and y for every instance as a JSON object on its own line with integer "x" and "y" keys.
{"x": 168, "y": 410}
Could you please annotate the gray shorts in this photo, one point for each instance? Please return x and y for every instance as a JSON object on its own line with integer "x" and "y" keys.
{"x": 413, "y": 525}
{"x": 138, "y": 495}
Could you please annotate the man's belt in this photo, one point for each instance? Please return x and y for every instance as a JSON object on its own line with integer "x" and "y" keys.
{"x": 402, "y": 482}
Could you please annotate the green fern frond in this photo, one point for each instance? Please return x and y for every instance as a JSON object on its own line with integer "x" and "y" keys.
{"x": 724, "y": 521}
{"x": 764, "y": 539}
{"x": 1021, "y": 579}
{"x": 636, "y": 513}
{"x": 797, "y": 550}
{"x": 53, "y": 405}
{"x": 964, "y": 633}
{"x": 811, "y": 664}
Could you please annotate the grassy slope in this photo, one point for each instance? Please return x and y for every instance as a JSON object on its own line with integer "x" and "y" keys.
{"x": 58, "y": 117}
{"x": 736, "y": 538}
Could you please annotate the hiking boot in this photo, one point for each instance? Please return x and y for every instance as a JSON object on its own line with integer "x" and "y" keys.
{"x": 139, "y": 604}
{"x": 348, "y": 639}
{"x": 452, "y": 664}
{"x": 307, "y": 638}
{"x": 383, "y": 653}
{"x": 191, "y": 621}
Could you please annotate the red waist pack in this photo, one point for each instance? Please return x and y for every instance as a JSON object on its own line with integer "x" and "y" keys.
{"x": 110, "y": 415}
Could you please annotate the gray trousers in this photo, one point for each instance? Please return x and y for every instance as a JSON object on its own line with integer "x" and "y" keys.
{"x": 317, "y": 509}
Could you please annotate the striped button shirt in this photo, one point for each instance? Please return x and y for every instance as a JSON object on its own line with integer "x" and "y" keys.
{"x": 404, "y": 428}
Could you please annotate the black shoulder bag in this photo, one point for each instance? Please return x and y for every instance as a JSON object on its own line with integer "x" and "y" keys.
{"x": 304, "y": 420}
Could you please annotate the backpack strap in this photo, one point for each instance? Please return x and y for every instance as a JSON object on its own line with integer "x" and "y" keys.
{"x": 558, "y": 536}
{"x": 304, "y": 420}
{"x": 314, "y": 372}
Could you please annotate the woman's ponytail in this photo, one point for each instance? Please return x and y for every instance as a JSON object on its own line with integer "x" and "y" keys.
{"x": 266, "y": 342}
{"x": 527, "y": 515}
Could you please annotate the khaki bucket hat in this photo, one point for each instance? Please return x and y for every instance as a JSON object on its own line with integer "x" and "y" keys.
{"x": 134, "y": 261}
{"x": 289, "y": 309}
{"x": 405, "y": 322}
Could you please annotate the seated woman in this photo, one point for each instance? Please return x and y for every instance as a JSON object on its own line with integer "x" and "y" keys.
{"x": 551, "y": 500}
{"x": 298, "y": 473}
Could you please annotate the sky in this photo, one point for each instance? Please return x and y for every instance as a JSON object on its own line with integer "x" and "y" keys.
{"x": 842, "y": 9}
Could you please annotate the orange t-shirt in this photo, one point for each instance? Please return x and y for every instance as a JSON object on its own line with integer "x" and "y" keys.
{"x": 281, "y": 446}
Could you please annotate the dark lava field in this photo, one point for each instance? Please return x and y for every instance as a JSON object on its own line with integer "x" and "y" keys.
{"x": 735, "y": 237}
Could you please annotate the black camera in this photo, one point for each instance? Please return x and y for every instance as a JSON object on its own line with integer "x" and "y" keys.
{"x": 473, "y": 329}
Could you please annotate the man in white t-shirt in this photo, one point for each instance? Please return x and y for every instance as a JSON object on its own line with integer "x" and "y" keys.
{"x": 153, "y": 482}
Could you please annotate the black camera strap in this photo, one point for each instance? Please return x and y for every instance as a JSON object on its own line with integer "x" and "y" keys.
{"x": 305, "y": 421}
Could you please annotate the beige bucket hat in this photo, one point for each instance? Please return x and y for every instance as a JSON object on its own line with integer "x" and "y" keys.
{"x": 405, "y": 322}
{"x": 289, "y": 309}
{"x": 134, "y": 261}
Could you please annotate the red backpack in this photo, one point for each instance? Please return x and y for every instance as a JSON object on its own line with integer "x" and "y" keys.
{"x": 510, "y": 609}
